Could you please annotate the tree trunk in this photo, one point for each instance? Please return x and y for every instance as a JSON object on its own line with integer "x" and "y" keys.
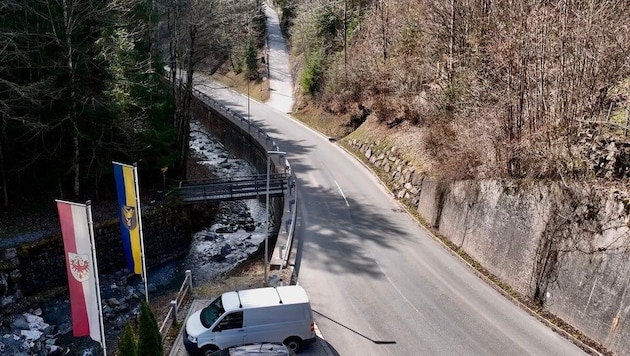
{"x": 68, "y": 27}
{"x": 451, "y": 41}
{"x": 3, "y": 178}
{"x": 186, "y": 104}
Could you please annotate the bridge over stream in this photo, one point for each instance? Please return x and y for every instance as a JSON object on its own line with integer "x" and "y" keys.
{"x": 236, "y": 188}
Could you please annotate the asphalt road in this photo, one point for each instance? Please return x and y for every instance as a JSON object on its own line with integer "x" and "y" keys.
{"x": 378, "y": 282}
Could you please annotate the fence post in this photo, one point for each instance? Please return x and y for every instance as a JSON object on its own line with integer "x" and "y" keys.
{"x": 189, "y": 279}
{"x": 625, "y": 131}
{"x": 174, "y": 306}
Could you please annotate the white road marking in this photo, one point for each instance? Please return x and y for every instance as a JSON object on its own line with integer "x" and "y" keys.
{"x": 343, "y": 195}
{"x": 399, "y": 292}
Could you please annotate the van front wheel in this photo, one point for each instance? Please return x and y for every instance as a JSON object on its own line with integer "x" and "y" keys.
{"x": 208, "y": 350}
{"x": 294, "y": 343}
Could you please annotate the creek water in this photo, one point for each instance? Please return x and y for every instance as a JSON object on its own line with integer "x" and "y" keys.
{"x": 236, "y": 233}
{"x": 238, "y": 229}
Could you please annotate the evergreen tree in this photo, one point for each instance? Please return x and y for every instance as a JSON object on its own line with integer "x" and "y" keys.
{"x": 251, "y": 63}
{"x": 127, "y": 345}
{"x": 80, "y": 86}
{"x": 149, "y": 338}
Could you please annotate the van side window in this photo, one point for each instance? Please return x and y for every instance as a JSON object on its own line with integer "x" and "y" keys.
{"x": 232, "y": 321}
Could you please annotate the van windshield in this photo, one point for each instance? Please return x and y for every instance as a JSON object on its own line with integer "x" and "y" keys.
{"x": 212, "y": 312}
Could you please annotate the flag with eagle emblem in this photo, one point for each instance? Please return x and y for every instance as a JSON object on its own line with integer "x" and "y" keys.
{"x": 129, "y": 212}
{"x": 75, "y": 220}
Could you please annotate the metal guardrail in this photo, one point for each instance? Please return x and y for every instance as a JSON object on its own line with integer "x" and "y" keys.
{"x": 263, "y": 138}
{"x": 171, "y": 317}
{"x": 238, "y": 188}
{"x": 246, "y": 125}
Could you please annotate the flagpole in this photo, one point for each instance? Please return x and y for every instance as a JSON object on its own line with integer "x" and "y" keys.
{"x": 88, "y": 207}
{"x": 139, "y": 215}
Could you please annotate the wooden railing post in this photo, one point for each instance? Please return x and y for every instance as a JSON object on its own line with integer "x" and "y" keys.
{"x": 189, "y": 278}
{"x": 174, "y": 306}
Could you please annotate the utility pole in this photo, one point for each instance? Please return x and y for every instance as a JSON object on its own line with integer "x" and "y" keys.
{"x": 345, "y": 35}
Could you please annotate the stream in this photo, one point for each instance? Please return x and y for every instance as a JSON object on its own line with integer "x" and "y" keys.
{"x": 236, "y": 233}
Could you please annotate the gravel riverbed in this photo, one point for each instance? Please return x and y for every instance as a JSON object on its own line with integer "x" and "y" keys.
{"x": 222, "y": 257}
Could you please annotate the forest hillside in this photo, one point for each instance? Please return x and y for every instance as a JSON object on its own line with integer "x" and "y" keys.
{"x": 85, "y": 83}
{"x": 471, "y": 88}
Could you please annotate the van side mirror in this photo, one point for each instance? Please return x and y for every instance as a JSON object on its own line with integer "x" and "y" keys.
{"x": 217, "y": 328}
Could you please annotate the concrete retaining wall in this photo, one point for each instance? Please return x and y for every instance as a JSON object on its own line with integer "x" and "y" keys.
{"x": 564, "y": 246}
{"x": 499, "y": 224}
{"x": 250, "y": 142}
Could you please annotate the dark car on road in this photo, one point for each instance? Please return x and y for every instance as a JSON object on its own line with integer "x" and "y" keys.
{"x": 264, "y": 349}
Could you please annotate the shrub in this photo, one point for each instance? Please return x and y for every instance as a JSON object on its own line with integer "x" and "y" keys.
{"x": 127, "y": 345}
{"x": 312, "y": 72}
{"x": 149, "y": 338}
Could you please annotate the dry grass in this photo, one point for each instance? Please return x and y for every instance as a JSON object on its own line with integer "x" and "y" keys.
{"x": 258, "y": 89}
{"x": 407, "y": 138}
{"x": 328, "y": 124}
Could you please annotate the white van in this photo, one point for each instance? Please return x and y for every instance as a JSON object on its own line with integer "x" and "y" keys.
{"x": 272, "y": 314}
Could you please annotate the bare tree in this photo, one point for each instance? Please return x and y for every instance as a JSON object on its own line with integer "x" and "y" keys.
{"x": 509, "y": 81}
{"x": 199, "y": 30}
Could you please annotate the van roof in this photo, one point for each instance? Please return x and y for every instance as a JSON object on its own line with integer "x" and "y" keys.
{"x": 263, "y": 297}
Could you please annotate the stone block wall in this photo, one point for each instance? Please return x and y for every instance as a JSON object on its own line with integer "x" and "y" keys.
{"x": 37, "y": 267}
{"x": 563, "y": 245}
{"x": 404, "y": 182}
{"x": 10, "y": 276}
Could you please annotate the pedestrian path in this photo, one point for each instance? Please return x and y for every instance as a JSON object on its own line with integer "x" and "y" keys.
{"x": 237, "y": 188}
{"x": 178, "y": 347}
{"x": 280, "y": 79}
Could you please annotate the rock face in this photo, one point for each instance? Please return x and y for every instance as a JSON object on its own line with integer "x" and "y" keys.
{"x": 565, "y": 246}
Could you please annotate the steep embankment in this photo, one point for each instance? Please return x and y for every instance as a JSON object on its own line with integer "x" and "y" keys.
{"x": 498, "y": 89}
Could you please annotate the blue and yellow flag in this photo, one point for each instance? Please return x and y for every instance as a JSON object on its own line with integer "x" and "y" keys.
{"x": 129, "y": 211}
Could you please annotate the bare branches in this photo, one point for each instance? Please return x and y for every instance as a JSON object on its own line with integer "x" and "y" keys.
{"x": 518, "y": 75}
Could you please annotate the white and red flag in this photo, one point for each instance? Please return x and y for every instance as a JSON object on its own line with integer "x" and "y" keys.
{"x": 78, "y": 242}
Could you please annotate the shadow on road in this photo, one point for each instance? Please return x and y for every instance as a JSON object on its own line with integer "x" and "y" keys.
{"x": 378, "y": 342}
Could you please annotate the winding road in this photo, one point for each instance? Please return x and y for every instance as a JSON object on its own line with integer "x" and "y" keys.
{"x": 379, "y": 283}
